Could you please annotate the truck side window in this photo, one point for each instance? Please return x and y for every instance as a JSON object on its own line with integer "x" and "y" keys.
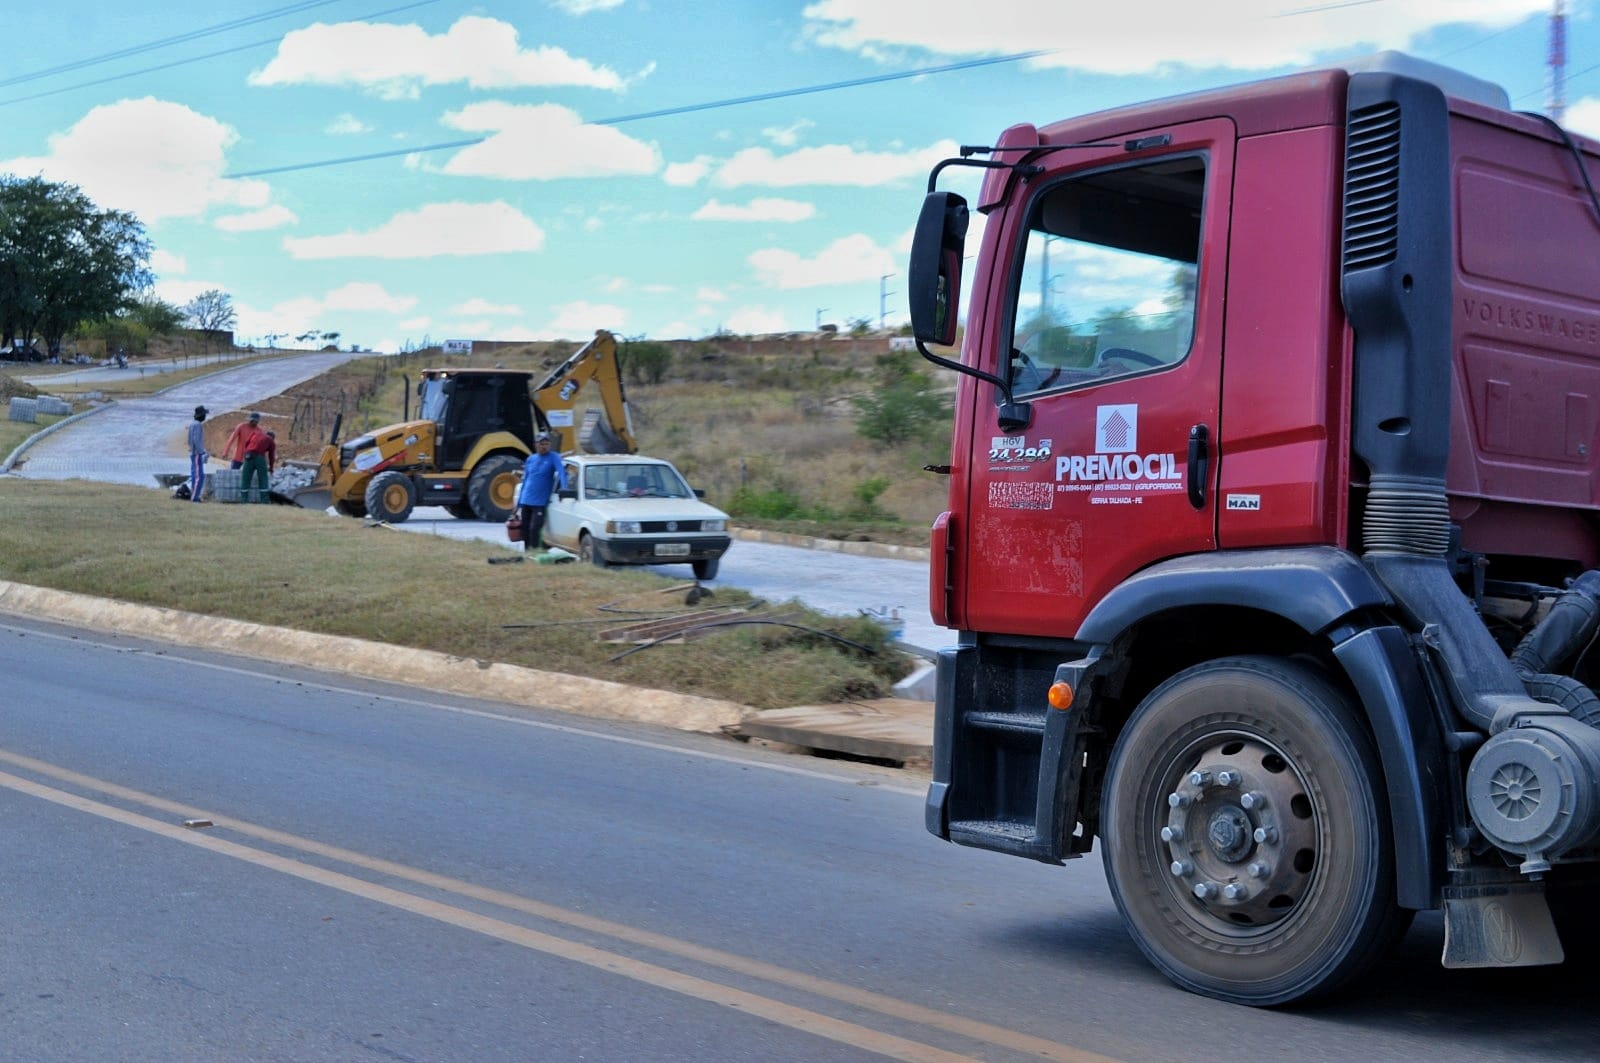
{"x": 1107, "y": 284}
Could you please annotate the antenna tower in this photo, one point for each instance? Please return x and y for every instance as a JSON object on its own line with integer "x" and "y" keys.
{"x": 1557, "y": 105}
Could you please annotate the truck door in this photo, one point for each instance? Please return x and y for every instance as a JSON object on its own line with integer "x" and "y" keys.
{"x": 1111, "y": 329}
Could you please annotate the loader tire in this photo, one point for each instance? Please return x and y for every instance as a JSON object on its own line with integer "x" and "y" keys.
{"x": 462, "y": 510}
{"x": 390, "y": 497}
{"x": 492, "y": 489}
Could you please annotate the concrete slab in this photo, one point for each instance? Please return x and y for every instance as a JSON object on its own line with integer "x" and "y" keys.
{"x": 885, "y": 729}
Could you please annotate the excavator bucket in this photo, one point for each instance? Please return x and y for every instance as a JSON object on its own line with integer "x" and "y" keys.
{"x": 596, "y": 436}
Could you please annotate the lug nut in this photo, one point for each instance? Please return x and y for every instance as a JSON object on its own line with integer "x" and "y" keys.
{"x": 1259, "y": 870}
{"x": 1178, "y": 800}
{"x": 1199, "y": 778}
{"x": 1266, "y": 835}
{"x": 1234, "y": 892}
{"x": 1205, "y": 890}
{"x": 1182, "y": 869}
{"x": 1172, "y": 834}
{"x": 1253, "y": 799}
{"x": 1228, "y": 778}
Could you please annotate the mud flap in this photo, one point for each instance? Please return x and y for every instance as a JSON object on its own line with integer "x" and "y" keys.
{"x": 1499, "y": 926}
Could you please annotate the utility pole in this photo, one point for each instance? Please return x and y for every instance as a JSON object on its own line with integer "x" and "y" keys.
{"x": 883, "y": 300}
{"x": 820, "y": 311}
{"x": 1557, "y": 105}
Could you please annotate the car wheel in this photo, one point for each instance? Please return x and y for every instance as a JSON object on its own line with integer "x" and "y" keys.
{"x": 707, "y": 569}
{"x": 587, "y": 551}
{"x": 1246, "y": 833}
{"x": 492, "y": 488}
{"x": 391, "y": 496}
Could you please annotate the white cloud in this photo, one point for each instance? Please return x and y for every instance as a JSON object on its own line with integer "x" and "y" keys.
{"x": 584, "y": 7}
{"x": 1171, "y": 32}
{"x": 831, "y": 164}
{"x": 710, "y": 295}
{"x": 430, "y": 231}
{"x": 845, "y": 261}
{"x": 756, "y": 210}
{"x": 756, "y": 321}
{"x": 616, "y": 284}
{"x": 151, "y": 157}
{"x": 180, "y": 292}
{"x": 397, "y": 61}
{"x": 273, "y": 217}
{"x": 345, "y": 125}
{"x": 1584, "y": 117}
{"x": 368, "y": 295}
{"x": 164, "y": 262}
{"x": 285, "y": 320}
{"x": 582, "y": 318}
{"x": 539, "y": 142}
{"x": 687, "y": 174}
{"x": 484, "y": 306}
{"x": 462, "y": 329}
{"x": 787, "y": 136}
{"x": 411, "y": 324}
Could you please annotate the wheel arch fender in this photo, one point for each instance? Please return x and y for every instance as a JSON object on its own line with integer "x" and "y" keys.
{"x": 1329, "y": 597}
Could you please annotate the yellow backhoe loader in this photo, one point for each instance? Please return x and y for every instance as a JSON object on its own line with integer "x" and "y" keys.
{"x": 474, "y": 428}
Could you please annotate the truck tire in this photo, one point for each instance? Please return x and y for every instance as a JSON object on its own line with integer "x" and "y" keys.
{"x": 1246, "y": 830}
{"x": 390, "y": 497}
{"x": 707, "y": 569}
{"x": 492, "y": 488}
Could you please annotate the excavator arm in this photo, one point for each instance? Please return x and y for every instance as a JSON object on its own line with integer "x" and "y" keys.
{"x": 606, "y": 429}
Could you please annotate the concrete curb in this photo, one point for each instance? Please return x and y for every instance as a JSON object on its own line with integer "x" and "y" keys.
{"x": 598, "y": 698}
{"x": 837, "y": 546}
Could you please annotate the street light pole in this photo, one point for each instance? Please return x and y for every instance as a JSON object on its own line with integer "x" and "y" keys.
{"x": 883, "y": 300}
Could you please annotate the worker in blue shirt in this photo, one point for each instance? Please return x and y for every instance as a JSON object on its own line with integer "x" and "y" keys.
{"x": 542, "y": 475}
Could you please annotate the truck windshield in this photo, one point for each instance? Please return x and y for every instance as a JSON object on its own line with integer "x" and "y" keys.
{"x": 1107, "y": 283}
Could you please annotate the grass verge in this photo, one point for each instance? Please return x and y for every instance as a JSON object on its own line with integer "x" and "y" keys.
{"x": 294, "y": 568}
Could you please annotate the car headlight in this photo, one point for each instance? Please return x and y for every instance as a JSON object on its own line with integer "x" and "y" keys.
{"x": 622, "y": 527}
{"x": 714, "y": 525}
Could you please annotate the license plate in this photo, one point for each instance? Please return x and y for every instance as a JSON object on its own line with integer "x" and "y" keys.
{"x": 672, "y": 549}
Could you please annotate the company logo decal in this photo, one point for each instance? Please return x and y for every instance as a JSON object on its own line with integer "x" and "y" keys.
{"x": 1117, "y": 473}
{"x": 1244, "y": 501}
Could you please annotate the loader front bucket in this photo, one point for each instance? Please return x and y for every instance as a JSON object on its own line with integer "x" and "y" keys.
{"x": 306, "y": 498}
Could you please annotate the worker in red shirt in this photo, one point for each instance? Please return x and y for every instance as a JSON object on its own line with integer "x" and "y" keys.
{"x": 233, "y": 449}
{"x": 260, "y": 458}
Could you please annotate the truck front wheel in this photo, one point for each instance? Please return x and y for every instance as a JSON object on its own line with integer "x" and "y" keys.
{"x": 1247, "y": 839}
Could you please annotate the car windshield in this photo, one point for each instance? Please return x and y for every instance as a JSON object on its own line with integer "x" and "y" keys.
{"x": 634, "y": 481}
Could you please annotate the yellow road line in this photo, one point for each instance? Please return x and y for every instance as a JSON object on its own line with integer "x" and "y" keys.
{"x": 851, "y": 995}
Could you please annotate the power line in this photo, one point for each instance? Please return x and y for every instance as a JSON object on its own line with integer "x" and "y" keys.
{"x": 181, "y": 38}
{"x": 664, "y": 112}
{"x": 180, "y": 62}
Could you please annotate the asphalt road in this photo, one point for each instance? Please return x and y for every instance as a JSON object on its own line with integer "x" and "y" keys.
{"x": 397, "y": 875}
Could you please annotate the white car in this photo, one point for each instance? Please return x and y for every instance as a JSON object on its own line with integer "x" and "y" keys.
{"x": 623, "y": 509}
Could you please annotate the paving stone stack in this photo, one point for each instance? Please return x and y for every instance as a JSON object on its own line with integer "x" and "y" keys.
{"x": 49, "y": 404}
{"x": 24, "y": 409}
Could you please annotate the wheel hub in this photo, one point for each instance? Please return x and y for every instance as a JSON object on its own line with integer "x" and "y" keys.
{"x": 1239, "y": 833}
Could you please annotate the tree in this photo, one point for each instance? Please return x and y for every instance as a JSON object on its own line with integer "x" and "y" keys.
{"x": 211, "y": 310}
{"x": 645, "y": 361}
{"x": 63, "y": 260}
{"x": 903, "y": 405}
{"x": 157, "y": 315}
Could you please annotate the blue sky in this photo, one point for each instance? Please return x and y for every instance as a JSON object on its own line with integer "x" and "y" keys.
{"x": 763, "y": 217}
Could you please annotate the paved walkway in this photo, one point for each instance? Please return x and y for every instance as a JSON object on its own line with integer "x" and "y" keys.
{"x": 133, "y": 440}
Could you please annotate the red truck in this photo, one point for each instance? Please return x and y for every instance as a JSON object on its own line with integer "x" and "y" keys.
{"x": 1274, "y": 519}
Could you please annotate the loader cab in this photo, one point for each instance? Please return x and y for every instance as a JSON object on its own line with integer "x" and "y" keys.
{"x": 467, "y": 405}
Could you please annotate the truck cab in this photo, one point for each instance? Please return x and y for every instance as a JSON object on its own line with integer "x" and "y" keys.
{"x": 1273, "y": 508}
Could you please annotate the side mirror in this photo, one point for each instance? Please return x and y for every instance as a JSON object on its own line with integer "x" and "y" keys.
{"x": 568, "y": 495}
{"x": 934, "y": 276}
{"x": 699, "y": 492}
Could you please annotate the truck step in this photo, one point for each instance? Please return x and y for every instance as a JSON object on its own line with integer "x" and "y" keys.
{"x": 1013, "y": 722}
{"x": 1001, "y": 835}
